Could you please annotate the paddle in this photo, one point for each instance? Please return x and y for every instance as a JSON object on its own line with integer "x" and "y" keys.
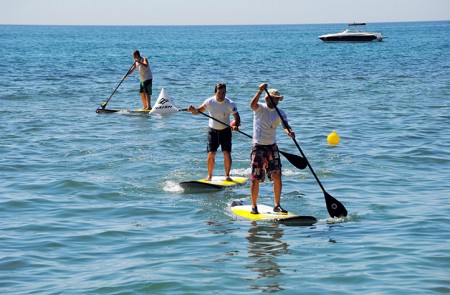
{"x": 123, "y": 78}
{"x": 334, "y": 207}
{"x": 295, "y": 160}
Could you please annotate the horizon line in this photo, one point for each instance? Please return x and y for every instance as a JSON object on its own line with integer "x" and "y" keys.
{"x": 211, "y": 25}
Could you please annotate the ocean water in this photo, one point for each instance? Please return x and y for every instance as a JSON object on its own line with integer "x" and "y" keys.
{"x": 90, "y": 203}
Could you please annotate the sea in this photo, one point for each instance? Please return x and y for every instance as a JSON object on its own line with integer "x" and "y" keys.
{"x": 91, "y": 203}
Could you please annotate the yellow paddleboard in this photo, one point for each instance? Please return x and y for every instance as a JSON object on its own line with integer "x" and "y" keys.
{"x": 243, "y": 209}
{"x": 216, "y": 183}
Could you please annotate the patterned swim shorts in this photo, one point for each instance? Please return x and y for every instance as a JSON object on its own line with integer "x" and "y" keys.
{"x": 265, "y": 160}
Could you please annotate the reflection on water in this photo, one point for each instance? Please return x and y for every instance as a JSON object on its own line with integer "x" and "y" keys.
{"x": 265, "y": 244}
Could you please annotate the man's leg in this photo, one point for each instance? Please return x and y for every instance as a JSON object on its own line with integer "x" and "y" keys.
{"x": 254, "y": 192}
{"x": 210, "y": 164}
{"x": 227, "y": 161}
{"x": 277, "y": 185}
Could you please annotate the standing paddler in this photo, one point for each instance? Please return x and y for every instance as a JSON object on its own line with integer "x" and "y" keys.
{"x": 146, "y": 77}
{"x": 265, "y": 156}
{"x": 220, "y": 108}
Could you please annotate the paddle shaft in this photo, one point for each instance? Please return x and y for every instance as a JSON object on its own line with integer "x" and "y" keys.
{"x": 295, "y": 160}
{"x": 249, "y": 136}
{"x": 295, "y": 141}
{"x": 332, "y": 204}
{"x": 106, "y": 102}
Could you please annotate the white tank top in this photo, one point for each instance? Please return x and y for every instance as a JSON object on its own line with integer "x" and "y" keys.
{"x": 145, "y": 73}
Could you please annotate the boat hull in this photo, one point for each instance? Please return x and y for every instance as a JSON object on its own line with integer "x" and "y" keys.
{"x": 351, "y": 37}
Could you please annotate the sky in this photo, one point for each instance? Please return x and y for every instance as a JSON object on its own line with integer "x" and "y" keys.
{"x": 214, "y": 12}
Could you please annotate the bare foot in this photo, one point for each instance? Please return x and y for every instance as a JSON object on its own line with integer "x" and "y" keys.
{"x": 208, "y": 178}
{"x": 228, "y": 178}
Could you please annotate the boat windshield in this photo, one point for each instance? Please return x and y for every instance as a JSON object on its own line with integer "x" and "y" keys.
{"x": 355, "y": 27}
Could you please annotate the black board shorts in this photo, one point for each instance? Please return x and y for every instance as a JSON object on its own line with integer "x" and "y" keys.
{"x": 218, "y": 138}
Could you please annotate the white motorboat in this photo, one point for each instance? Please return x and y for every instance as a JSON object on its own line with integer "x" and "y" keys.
{"x": 352, "y": 35}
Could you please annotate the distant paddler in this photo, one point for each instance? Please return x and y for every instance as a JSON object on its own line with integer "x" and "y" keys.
{"x": 145, "y": 76}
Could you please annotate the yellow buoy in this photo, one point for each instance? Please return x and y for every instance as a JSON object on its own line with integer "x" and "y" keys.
{"x": 333, "y": 138}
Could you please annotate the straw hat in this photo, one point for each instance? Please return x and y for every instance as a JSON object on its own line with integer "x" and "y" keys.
{"x": 274, "y": 93}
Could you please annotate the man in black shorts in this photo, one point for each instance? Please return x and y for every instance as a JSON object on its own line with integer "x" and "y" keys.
{"x": 219, "y": 134}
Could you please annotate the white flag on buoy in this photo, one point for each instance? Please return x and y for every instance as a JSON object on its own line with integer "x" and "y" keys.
{"x": 164, "y": 104}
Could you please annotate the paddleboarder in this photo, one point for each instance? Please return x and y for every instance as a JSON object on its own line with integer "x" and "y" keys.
{"x": 265, "y": 157}
{"x": 220, "y": 108}
{"x": 146, "y": 77}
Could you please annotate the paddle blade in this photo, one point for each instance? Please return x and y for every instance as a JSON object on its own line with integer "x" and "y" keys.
{"x": 298, "y": 161}
{"x": 334, "y": 207}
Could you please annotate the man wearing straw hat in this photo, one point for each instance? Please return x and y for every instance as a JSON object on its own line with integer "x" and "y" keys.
{"x": 264, "y": 155}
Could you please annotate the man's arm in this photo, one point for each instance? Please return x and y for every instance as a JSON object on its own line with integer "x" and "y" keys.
{"x": 254, "y": 102}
